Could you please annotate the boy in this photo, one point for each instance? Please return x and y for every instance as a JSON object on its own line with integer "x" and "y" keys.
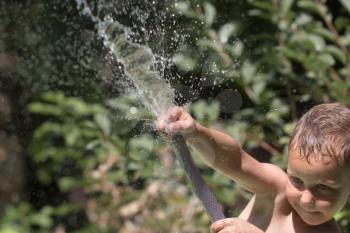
{"x": 302, "y": 200}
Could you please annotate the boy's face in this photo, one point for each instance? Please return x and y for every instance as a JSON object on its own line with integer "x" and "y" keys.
{"x": 316, "y": 189}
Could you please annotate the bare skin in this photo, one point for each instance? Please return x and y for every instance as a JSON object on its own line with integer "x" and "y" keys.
{"x": 303, "y": 200}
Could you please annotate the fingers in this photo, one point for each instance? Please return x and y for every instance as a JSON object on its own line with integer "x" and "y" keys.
{"x": 175, "y": 128}
{"x": 160, "y": 125}
{"x": 230, "y": 229}
{"x": 234, "y": 225}
{"x": 170, "y": 128}
{"x": 217, "y": 226}
{"x": 175, "y": 114}
{"x": 172, "y": 122}
{"x": 224, "y": 225}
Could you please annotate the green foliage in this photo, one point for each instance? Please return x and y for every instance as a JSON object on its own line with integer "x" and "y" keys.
{"x": 117, "y": 175}
{"x": 279, "y": 57}
{"x": 22, "y": 218}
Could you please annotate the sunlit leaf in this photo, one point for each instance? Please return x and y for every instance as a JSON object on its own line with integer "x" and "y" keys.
{"x": 210, "y": 13}
{"x": 104, "y": 123}
{"x": 309, "y": 6}
{"x": 9, "y": 229}
{"x": 327, "y": 59}
{"x": 67, "y": 183}
{"x": 325, "y": 33}
{"x": 346, "y": 4}
{"x": 263, "y": 5}
{"x": 286, "y": 6}
{"x": 226, "y": 31}
{"x": 185, "y": 63}
{"x": 303, "y": 19}
{"x": 337, "y": 53}
{"x": 44, "y": 109}
{"x": 205, "y": 111}
{"x": 248, "y": 72}
{"x": 184, "y": 7}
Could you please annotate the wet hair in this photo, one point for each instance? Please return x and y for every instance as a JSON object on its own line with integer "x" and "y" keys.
{"x": 323, "y": 132}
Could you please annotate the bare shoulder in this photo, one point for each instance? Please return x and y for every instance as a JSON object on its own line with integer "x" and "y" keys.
{"x": 275, "y": 176}
{"x": 262, "y": 179}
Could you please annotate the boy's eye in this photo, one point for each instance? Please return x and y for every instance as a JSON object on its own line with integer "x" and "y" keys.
{"x": 296, "y": 181}
{"x": 322, "y": 187}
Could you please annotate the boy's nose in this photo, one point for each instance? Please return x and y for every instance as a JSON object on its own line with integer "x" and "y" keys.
{"x": 307, "y": 199}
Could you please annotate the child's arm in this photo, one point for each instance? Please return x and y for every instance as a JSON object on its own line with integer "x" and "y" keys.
{"x": 224, "y": 154}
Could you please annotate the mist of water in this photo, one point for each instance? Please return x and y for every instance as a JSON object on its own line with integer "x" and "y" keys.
{"x": 138, "y": 61}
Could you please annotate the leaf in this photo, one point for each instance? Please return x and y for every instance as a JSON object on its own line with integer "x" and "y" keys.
{"x": 104, "y": 123}
{"x": 236, "y": 49}
{"x": 226, "y": 31}
{"x": 263, "y": 5}
{"x": 291, "y": 54}
{"x": 310, "y": 6}
{"x": 44, "y": 109}
{"x": 44, "y": 176}
{"x": 9, "y": 229}
{"x": 337, "y": 53}
{"x": 285, "y": 6}
{"x": 141, "y": 147}
{"x": 341, "y": 22}
{"x": 199, "y": 109}
{"x": 41, "y": 219}
{"x": 303, "y": 19}
{"x": 248, "y": 72}
{"x": 327, "y": 59}
{"x": 205, "y": 111}
{"x": 260, "y": 14}
{"x": 47, "y": 130}
{"x": 326, "y": 34}
{"x": 71, "y": 134}
{"x": 345, "y": 40}
{"x": 93, "y": 145}
{"x": 210, "y": 13}
{"x": 67, "y": 183}
{"x": 289, "y": 127}
{"x": 184, "y": 62}
{"x": 317, "y": 41}
{"x": 66, "y": 209}
{"x": 309, "y": 41}
{"x": 76, "y": 107}
{"x": 184, "y": 8}
{"x": 258, "y": 86}
{"x": 318, "y": 63}
{"x": 54, "y": 97}
{"x": 346, "y": 4}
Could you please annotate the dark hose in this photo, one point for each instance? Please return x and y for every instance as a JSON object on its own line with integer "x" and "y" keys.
{"x": 200, "y": 187}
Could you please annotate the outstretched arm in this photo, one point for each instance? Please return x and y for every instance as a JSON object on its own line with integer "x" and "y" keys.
{"x": 223, "y": 153}
{"x": 226, "y": 155}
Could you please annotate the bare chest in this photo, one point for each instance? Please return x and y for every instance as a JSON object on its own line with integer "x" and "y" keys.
{"x": 293, "y": 224}
{"x": 276, "y": 216}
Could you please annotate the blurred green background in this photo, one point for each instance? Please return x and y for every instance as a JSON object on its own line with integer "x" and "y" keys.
{"x": 78, "y": 151}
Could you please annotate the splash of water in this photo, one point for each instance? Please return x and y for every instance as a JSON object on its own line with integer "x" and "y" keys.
{"x": 138, "y": 62}
{"x": 157, "y": 96}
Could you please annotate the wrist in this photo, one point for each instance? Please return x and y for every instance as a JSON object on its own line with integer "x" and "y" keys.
{"x": 194, "y": 133}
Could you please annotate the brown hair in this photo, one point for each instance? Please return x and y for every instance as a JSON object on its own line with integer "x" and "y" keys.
{"x": 323, "y": 131}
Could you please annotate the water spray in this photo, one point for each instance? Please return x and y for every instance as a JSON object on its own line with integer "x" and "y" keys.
{"x": 155, "y": 94}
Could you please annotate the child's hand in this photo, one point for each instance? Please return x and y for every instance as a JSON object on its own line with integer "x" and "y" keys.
{"x": 176, "y": 122}
{"x": 234, "y": 225}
